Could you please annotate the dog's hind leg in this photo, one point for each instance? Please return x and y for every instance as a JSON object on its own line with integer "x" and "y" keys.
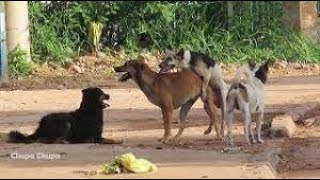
{"x": 218, "y": 83}
{"x": 182, "y": 117}
{"x": 223, "y": 104}
{"x": 245, "y": 109}
{"x": 229, "y": 117}
{"x": 246, "y": 117}
{"x": 251, "y": 130}
{"x": 243, "y": 101}
{"x": 228, "y": 120}
{"x": 259, "y": 125}
{"x": 206, "y": 76}
{"x": 206, "y": 80}
{"x": 212, "y": 112}
{"x": 247, "y": 124}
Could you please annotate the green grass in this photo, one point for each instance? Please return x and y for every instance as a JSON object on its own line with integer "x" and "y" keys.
{"x": 60, "y": 30}
{"x": 18, "y": 64}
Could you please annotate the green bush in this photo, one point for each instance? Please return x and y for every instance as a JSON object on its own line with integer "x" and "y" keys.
{"x": 18, "y": 64}
{"x": 60, "y": 29}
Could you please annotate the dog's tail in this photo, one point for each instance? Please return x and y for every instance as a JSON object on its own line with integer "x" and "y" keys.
{"x": 112, "y": 141}
{"x": 234, "y": 90}
{"x": 18, "y": 137}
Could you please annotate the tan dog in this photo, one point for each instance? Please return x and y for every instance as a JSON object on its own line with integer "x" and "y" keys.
{"x": 171, "y": 91}
{"x": 204, "y": 66}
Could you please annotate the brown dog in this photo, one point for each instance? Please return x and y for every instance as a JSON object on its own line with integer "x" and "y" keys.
{"x": 171, "y": 91}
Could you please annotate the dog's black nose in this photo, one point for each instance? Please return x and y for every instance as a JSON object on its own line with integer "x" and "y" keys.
{"x": 117, "y": 69}
{"x": 107, "y": 96}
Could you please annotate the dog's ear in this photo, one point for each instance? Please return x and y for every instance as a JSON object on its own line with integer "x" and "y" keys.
{"x": 252, "y": 64}
{"x": 180, "y": 53}
{"x": 85, "y": 91}
{"x": 145, "y": 61}
{"x": 139, "y": 67}
{"x": 265, "y": 66}
{"x": 270, "y": 63}
{"x": 262, "y": 72}
{"x": 142, "y": 59}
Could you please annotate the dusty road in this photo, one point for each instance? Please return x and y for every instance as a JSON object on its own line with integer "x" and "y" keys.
{"x": 132, "y": 118}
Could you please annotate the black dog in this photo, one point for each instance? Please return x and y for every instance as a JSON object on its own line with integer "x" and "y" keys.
{"x": 85, "y": 125}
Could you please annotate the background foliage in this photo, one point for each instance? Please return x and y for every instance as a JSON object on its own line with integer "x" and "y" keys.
{"x": 253, "y": 29}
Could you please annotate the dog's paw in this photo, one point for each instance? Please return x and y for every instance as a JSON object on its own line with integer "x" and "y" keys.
{"x": 160, "y": 140}
{"x": 248, "y": 142}
{"x": 254, "y": 141}
{"x": 165, "y": 140}
{"x": 231, "y": 143}
{"x": 208, "y": 131}
{"x": 176, "y": 141}
{"x": 223, "y": 139}
{"x": 260, "y": 141}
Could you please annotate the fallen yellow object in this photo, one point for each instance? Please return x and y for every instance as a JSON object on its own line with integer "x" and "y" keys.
{"x": 127, "y": 163}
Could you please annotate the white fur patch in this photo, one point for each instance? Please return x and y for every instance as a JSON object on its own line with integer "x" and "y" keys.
{"x": 186, "y": 59}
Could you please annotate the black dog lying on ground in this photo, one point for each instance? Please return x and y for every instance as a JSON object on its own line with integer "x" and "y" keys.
{"x": 85, "y": 125}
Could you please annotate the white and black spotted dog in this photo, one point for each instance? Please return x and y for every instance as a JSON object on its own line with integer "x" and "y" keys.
{"x": 248, "y": 97}
{"x": 204, "y": 66}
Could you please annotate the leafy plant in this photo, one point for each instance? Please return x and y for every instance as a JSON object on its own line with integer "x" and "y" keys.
{"x": 94, "y": 34}
{"x": 254, "y": 30}
{"x": 18, "y": 64}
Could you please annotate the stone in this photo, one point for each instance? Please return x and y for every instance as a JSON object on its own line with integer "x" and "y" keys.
{"x": 77, "y": 69}
{"x": 283, "y": 126}
{"x": 53, "y": 65}
{"x": 315, "y": 67}
{"x": 102, "y": 55}
{"x": 309, "y": 121}
{"x": 280, "y": 64}
{"x": 68, "y": 64}
{"x": 233, "y": 149}
{"x": 296, "y": 65}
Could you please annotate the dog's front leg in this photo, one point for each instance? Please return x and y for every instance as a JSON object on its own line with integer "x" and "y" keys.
{"x": 167, "y": 116}
{"x": 182, "y": 116}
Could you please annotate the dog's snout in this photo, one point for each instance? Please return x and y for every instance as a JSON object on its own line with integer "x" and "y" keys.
{"x": 161, "y": 65}
{"x": 116, "y": 69}
{"x": 119, "y": 68}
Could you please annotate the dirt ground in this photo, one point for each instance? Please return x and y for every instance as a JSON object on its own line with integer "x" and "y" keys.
{"x": 132, "y": 118}
{"x": 87, "y": 70}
